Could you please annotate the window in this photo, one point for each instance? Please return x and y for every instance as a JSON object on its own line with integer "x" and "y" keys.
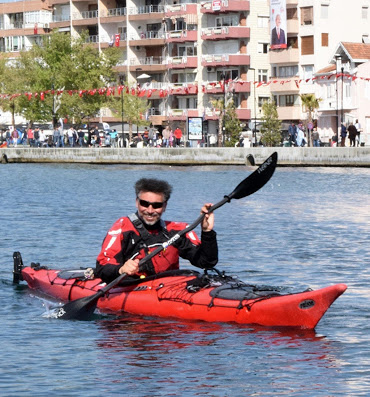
{"x": 364, "y": 12}
{"x": 307, "y": 16}
{"x": 227, "y": 20}
{"x": 307, "y": 72}
{"x": 291, "y": 13}
{"x": 262, "y": 75}
{"x": 288, "y": 71}
{"x": 262, "y": 48}
{"x": 325, "y": 39}
{"x": 262, "y": 100}
{"x": 187, "y": 50}
{"x": 288, "y": 100}
{"x": 292, "y": 42}
{"x": 186, "y": 77}
{"x": 153, "y": 27}
{"x": 229, "y": 74}
{"x": 262, "y": 22}
{"x": 14, "y": 43}
{"x": 191, "y": 103}
{"x": 307, "y": 45}
{"x": 324, "y": 11}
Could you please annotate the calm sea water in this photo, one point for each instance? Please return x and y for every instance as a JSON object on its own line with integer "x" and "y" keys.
{"x": 309, "y": 227}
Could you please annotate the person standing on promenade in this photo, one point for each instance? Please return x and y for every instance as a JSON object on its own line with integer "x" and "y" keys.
{"x": 178, "y": 136}
{"x": 316, "y": 138}
{"x": 300, "y": 136}
{"x": 30, "y": 137}
{"x": 61, "y": 135}
{"x": 133, "y": 237}
{"x": 358, "y": 128}
{"x": 292, "y": 131}
{"x": 56, "y": 136}
{"x": 166, "y": 136}
{"x": 343, "y": 134}
{"x": 352, "y": 133}
{"x": 172, "y": 138}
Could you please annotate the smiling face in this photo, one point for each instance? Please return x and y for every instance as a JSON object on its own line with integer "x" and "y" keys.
{"x": 146, "y": 212}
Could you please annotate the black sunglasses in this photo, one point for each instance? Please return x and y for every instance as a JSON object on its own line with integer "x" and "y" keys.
{"x": 155, "y": 205}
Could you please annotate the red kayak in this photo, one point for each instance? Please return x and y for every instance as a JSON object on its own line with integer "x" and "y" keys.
{"x": 189, "y": 295}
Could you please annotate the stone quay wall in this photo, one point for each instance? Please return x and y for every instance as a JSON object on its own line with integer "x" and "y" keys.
{"x": 287, "y": 156}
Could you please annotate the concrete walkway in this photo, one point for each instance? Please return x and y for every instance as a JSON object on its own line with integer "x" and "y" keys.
{"x": 288, "y": 156}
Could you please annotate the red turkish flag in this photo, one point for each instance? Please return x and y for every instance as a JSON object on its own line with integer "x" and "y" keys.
{"x": 116, "y": 39}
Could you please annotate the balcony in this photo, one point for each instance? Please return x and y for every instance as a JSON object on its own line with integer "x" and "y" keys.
{"x": 225, "y": 32}
{"x": 112, "y": 15}
{"x": 182, "y": 62}
{"x": 289, "y": 112}
{"x": 142, "y": 13}
{"x": 180, "y": 36}
{"x": 243, "y": 114}
{"x": 225, "y": 60}
{"x": 223, "y": 6}
{"x": 289, "y": 55}
{"x": 286, "y": 84}
{"x": 182, "y": 114}
{"x": 211, "y": 114}
{"x": 85, "y": 18}
{"x": 292, "y": 26}
{"x": 180, "y": 9}
{"x": 148, "y": 64}
{"x": 183, "y": 89}
{"x": 213, "y": 87}
{"x": 241, "y": 86}
{"x": 148, "y": 38}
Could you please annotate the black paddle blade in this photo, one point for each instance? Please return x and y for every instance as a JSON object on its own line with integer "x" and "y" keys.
{"x": 257, "y": 179}
{"x": 79, "y": 309}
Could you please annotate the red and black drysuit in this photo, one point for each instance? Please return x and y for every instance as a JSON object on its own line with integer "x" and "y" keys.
{"x": 129, "y": 238}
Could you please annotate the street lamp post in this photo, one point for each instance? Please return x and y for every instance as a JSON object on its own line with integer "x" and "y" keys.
{"x": 255, "y": 108}
{"x": 122, "y": 120}
{"x": 341, "y": 109}
{"x": 223, "y": 77}
{"x": 337, "y": 57}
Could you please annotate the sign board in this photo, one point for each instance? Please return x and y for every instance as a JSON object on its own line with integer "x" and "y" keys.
{"x": 195, "y": 128}
{"x": 216, "y": 5}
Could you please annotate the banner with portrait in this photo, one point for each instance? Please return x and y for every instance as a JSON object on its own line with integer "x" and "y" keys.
{"x": 278, "y": 24}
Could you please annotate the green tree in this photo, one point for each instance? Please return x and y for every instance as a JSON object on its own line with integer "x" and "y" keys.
{"x": 68, "y": 65}
{"x": 11, "y": 83}
{"x": 134, "y": 109}
{"x": 271, "y": 125}
{"x": 232, "y": 125}
{"x": 218, "y": 105}
{"x": 309, "y": 104}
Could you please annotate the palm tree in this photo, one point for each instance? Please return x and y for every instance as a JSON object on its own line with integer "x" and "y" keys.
{"x": 309, "y": 104}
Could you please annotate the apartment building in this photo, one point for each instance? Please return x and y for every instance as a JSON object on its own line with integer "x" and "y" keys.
{"x": 314, "y": 30}
{"x": 186, "y": 52}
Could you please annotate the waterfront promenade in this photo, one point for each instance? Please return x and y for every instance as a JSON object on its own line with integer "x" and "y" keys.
{"x": 288, "y": 156}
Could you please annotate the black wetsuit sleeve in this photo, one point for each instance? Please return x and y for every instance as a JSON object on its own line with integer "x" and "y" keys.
{"x": 204, "y": 255}
{"x": 107, "y": 272}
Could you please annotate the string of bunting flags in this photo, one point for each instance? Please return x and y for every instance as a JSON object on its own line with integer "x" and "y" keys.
{"x": 146, "y": 91}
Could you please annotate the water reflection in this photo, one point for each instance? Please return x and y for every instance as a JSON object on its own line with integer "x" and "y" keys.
{"x": 143, "y": 335}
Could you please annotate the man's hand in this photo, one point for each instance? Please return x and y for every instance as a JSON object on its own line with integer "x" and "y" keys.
{"x": 130, "y": 267}
{"x": 209, "y": 219}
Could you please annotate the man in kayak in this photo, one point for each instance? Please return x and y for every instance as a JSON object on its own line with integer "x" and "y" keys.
{"x": 131, "y": 238}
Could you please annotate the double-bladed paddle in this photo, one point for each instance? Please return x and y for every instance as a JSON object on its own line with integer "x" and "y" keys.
{"x": 82, "y": 309}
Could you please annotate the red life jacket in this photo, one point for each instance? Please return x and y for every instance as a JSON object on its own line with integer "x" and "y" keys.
{"x": 129, "y": 239}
